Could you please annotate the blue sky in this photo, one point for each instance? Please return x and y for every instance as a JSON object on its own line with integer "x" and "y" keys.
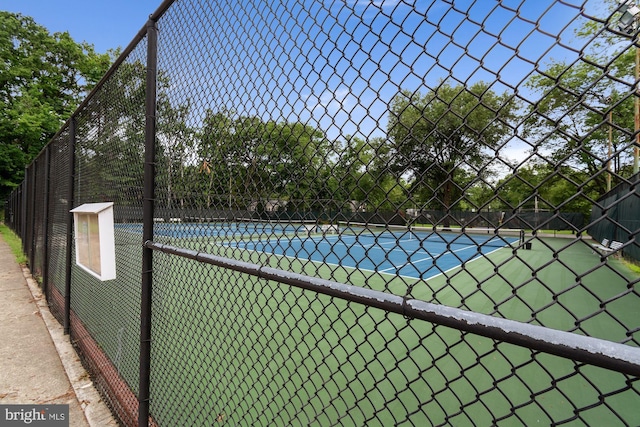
{"x": 335, "y": 64}
{"x": 475, "y": 53}
{"x": 106, "y": 24}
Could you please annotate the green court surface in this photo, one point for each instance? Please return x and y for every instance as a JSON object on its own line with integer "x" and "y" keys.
{"x": 232, "y": 348}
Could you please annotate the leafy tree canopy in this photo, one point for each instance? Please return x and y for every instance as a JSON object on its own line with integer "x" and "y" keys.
{"x": 585, "y": 115}
{"x": 440, "y": 136}
{"x": 43, "y": 77}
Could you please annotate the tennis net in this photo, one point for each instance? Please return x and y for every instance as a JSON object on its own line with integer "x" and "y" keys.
{"x": 268, "y": 225}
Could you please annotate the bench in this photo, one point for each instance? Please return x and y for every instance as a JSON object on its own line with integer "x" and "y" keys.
{"x": 607, "y": 247}
{"x": 604, "y": 246}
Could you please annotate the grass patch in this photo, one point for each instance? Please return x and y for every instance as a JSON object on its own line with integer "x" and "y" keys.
{"x": 14, "y": 243}
{"x": 631, "y": 265}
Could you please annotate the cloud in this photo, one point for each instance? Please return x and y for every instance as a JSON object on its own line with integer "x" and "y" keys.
{"x": 329, "y": 101}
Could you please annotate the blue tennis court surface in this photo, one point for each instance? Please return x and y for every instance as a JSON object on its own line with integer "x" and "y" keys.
{"x": 402, "y": 251}
{"x": 410, "y": 256}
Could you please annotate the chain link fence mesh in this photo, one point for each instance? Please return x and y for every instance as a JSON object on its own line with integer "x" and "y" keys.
{"x": 109, "y": 149}
{"x": 59, "y": 169}
{"x": 461, "y": 154}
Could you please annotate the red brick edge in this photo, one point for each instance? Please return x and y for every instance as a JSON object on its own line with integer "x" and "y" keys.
{"x": 105, "y": 376}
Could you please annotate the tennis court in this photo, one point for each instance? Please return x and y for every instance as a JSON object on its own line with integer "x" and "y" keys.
{"x": 418, "y": 255}
{"x": 412, "y": 252}
{"x": 301, "y": 349}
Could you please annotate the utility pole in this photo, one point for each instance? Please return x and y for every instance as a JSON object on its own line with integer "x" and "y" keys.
{"x": 628, "y": 23}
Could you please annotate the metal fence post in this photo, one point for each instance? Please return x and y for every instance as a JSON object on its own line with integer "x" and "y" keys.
{"x": 18, "y": 212}
{"x": 32, "y": 216}
{"x": 45, "y": 238}
{"x": 70, "y": 202}
{"x": 20, "y": 209}
{"x": 24, "y": 206}
{"x": 147, "y": 221}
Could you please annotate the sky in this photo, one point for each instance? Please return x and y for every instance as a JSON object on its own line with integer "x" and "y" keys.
{"x": 106, "y": 24}
{"x": 335, "y": 64}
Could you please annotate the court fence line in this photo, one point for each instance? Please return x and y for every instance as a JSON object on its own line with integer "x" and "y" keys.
{"x": 218, "y": 117}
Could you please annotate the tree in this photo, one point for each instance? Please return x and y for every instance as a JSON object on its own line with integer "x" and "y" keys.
{"x": 43, "y": 77}
{"x": 110, "y": 135}
{"x": 293, "y": 154}
{"x": 246, "y": 160}
{"x": 176, "y": 140}
{"x": 363, "y": 177}
{"x": 110, "y": 139}
{"x": 441, "y": 136}
{"x": 543, "y": 187}
{"x": 230, "y": 157}
{"x": 350, "y": 172}
{"x": 582, "y": 101}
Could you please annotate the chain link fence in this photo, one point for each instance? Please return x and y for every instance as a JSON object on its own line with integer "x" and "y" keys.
{"x": 355, "y": 213}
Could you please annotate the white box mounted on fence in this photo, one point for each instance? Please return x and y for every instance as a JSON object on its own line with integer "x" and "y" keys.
{"x": 94, "y": 237}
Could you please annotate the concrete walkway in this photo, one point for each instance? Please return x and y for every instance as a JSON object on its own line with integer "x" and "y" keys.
{"x": 38, "y": 365}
